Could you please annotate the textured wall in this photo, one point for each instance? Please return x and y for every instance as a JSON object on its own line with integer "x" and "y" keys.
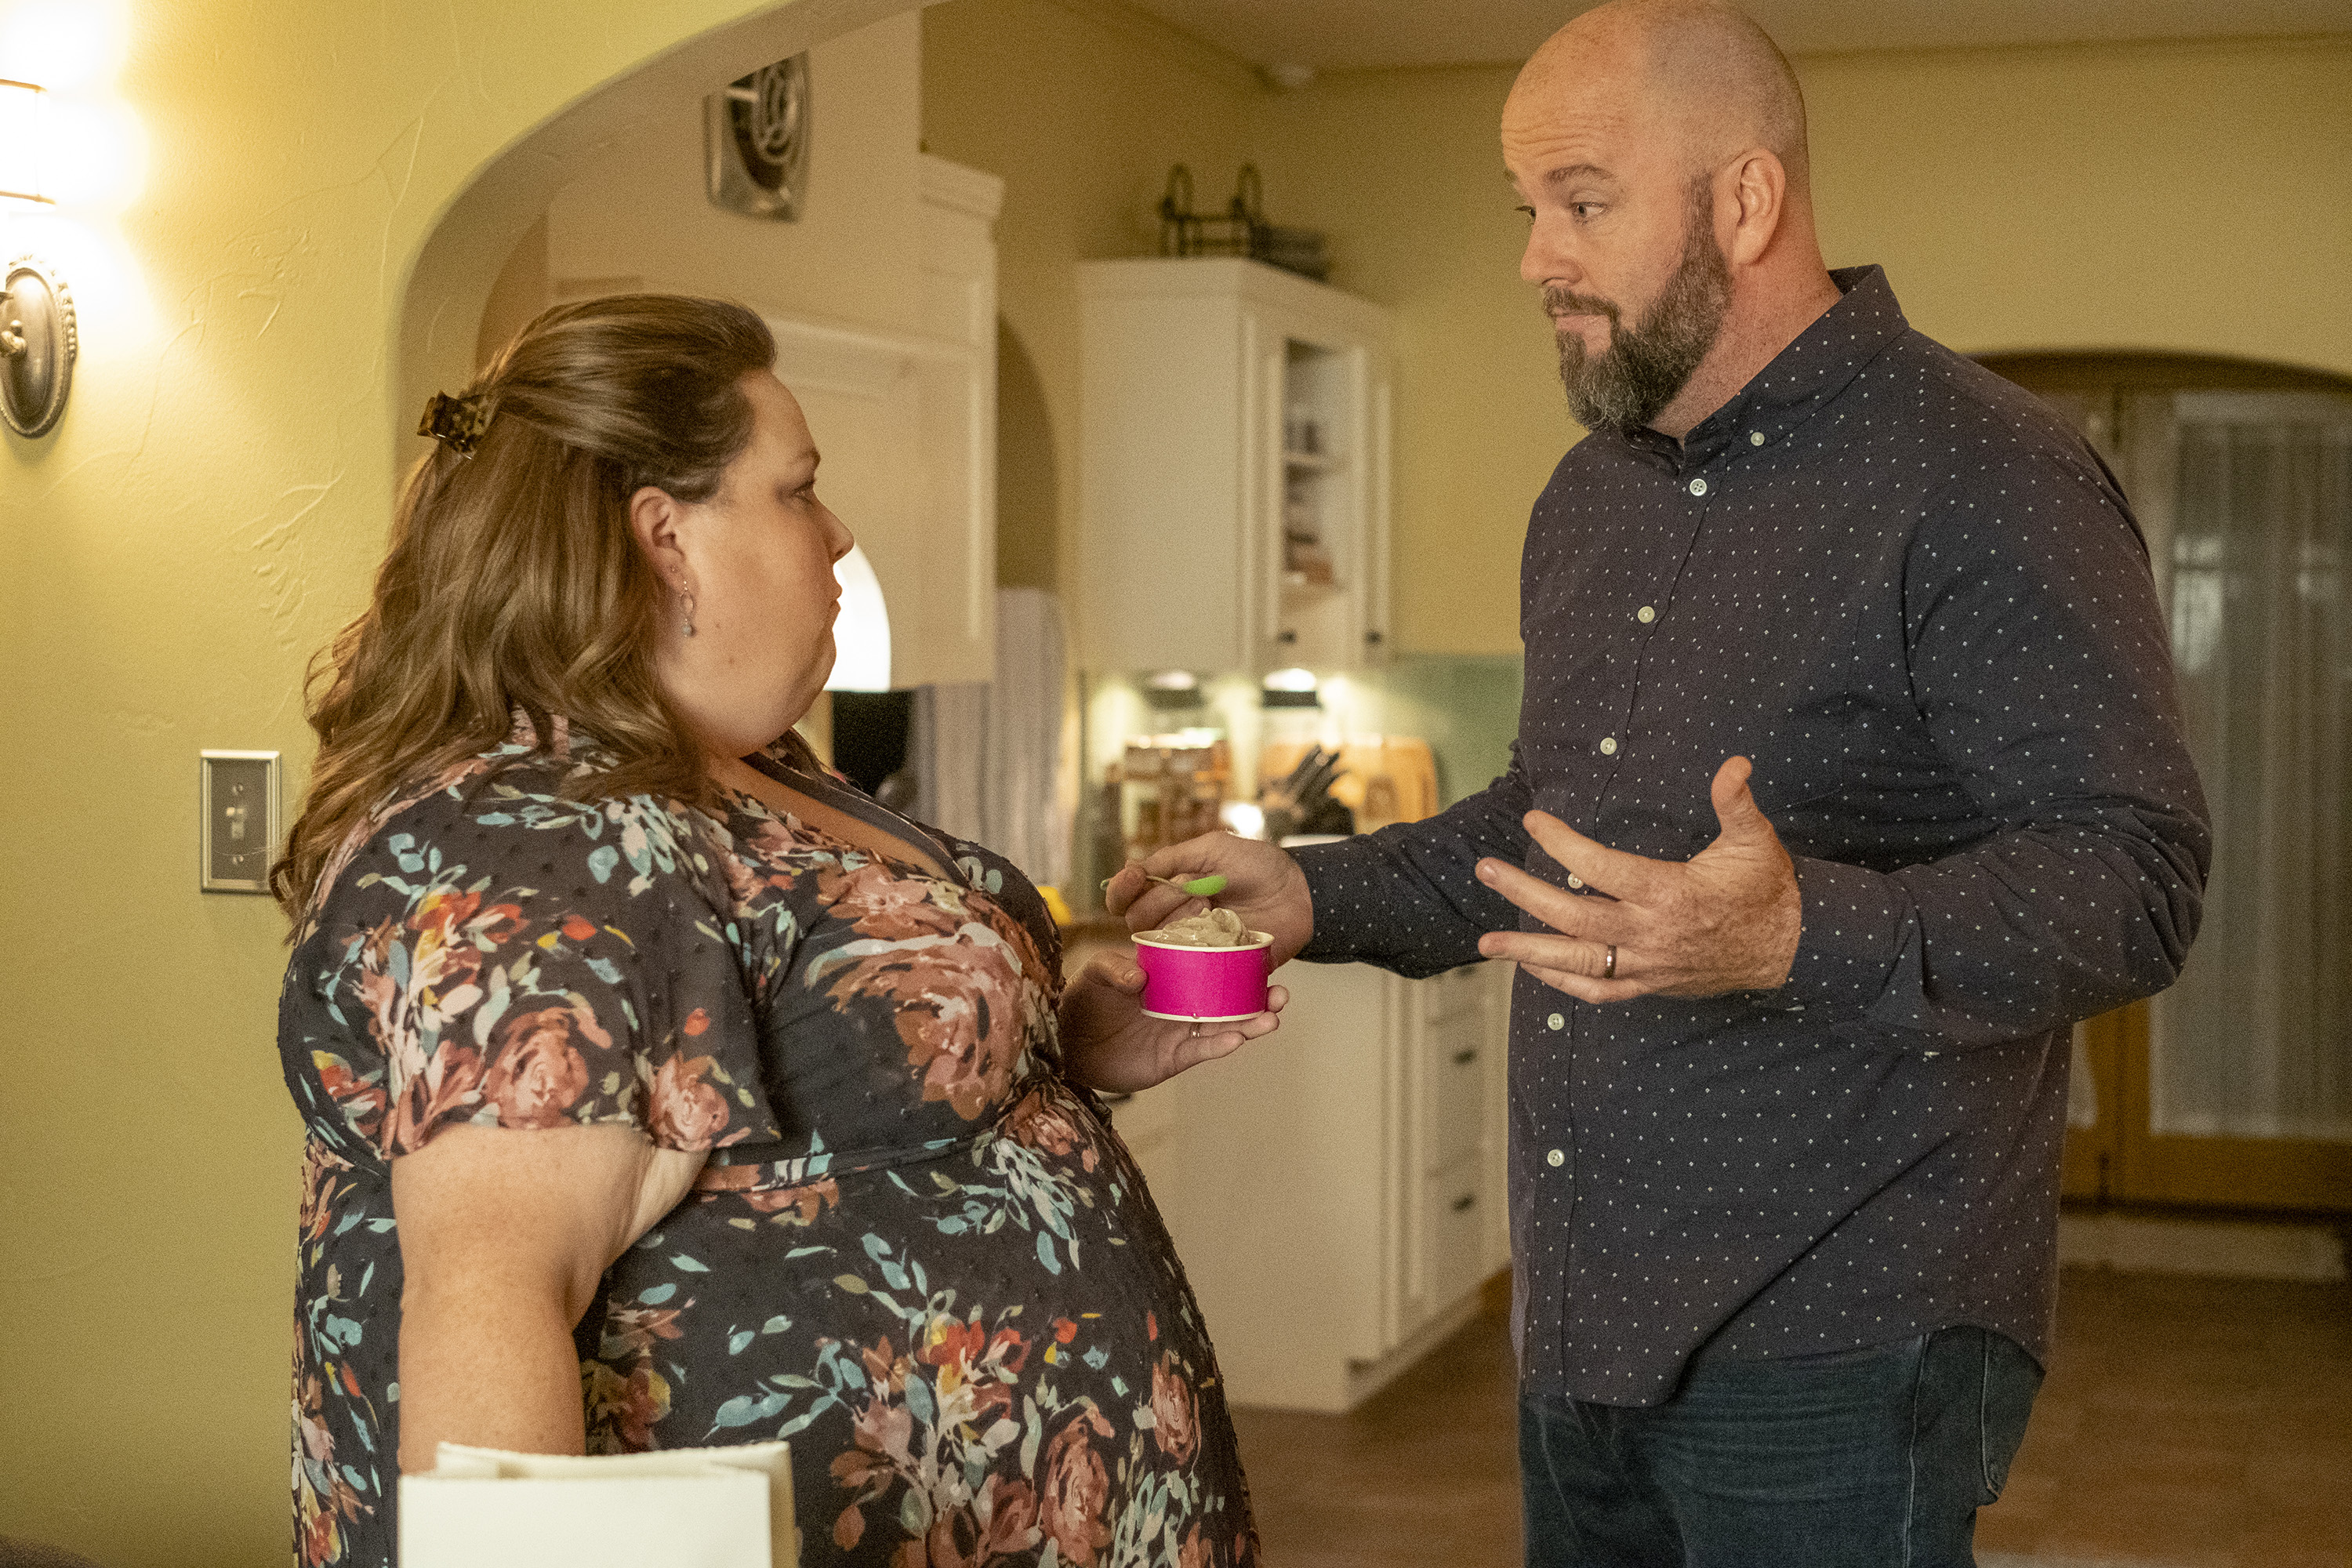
{"x": 1081, "y": 106}
{"x": 205, "y": 515}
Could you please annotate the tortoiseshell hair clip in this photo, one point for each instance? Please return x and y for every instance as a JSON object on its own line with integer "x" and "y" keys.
{"x": 456, "y": 423}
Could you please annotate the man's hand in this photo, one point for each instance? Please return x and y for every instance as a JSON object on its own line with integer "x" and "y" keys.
{"x": 1108, "y": 1042}
{"x": 1263, "y": 885}
{"x": 1726, "y": 920}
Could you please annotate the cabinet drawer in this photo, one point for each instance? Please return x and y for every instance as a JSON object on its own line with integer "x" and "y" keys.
{"x": 1447, "y": 997}
{"x": 1453, "y": 1219}
{"x": 1455, "y": 1084}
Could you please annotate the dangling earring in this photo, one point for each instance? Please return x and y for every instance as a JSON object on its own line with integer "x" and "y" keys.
{"x": 686, "y": 601}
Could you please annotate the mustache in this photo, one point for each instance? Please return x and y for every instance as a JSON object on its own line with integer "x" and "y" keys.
{"x": 1559, "y": 302}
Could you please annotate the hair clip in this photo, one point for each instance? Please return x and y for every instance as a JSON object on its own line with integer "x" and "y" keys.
{"x": 456, "y": 423}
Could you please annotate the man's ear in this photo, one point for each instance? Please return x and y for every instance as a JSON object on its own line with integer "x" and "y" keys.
{"x": 1760, "y": 186}
{"x": 653, "y": 516}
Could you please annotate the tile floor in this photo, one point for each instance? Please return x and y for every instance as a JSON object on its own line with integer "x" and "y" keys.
{"x": 2186, "y": 1423}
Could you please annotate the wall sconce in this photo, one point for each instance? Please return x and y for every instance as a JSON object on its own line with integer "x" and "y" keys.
{"x": 39, "y": 339}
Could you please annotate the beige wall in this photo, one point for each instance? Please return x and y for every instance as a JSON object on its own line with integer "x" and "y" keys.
{"x": 2193, "y": 197}
{"x": 207, "y": 511}
{"x": 2172, "y": 196}
{"x": 1081, "y": 106}
{"x": 638, "y": 210}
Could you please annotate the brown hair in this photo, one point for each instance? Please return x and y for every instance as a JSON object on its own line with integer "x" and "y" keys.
{"x": 513, "y": 580}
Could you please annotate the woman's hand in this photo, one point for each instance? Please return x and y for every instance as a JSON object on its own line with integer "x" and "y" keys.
{"x": 1109, "y": 1043}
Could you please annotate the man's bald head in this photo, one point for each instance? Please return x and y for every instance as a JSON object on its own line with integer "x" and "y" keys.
{"x": 1658, "y": 150}
{"x": 1699, "y": 69}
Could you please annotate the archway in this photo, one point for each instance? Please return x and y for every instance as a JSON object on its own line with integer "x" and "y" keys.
{"x": 442, "y": 305}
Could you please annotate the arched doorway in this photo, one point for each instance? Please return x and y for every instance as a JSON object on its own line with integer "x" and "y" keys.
{"x": 2234, "y": 1088}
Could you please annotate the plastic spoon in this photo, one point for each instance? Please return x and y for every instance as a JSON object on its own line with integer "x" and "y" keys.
{"x": 1207, "y": 887}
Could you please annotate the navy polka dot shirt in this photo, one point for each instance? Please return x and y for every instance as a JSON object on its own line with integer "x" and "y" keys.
{"x": 1918, "y": 602}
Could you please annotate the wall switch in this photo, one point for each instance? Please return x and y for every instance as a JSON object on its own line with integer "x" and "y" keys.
{"x": 239, "y": 821}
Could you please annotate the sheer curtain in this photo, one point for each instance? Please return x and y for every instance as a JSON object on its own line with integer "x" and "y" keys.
{"x": 2249, "y": 498}
{"x": 994, "y": 761}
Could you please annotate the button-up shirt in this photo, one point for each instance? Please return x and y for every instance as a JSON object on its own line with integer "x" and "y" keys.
{"x": 1916, "y": 599}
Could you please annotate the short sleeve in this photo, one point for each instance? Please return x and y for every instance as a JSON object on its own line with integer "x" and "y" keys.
{"x": 525, "y": 961}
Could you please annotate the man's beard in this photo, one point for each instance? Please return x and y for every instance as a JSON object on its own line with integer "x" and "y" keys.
{"x": 1631, "y": 381}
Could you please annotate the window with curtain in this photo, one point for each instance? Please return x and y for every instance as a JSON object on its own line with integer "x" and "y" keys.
{"x": 2256, "y": 1041}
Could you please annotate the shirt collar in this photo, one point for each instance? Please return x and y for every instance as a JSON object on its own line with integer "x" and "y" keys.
{"x": 1801, "y": 379}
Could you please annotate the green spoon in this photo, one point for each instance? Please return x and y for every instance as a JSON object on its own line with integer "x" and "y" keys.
{"x": 1207, "y": 887}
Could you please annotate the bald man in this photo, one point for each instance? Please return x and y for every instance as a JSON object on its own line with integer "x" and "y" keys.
{"x": 1849, "y": 777}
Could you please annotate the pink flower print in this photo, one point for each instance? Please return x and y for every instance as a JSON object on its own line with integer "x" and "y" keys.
{"x": 686, "y": 1113}
{"x": 537, "y": 1072}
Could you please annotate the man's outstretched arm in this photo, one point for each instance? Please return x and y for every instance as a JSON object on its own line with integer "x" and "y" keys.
{"x": 1407, "y": 897}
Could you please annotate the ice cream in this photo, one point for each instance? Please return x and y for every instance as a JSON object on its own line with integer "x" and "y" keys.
{"x": 1209, "y": 928}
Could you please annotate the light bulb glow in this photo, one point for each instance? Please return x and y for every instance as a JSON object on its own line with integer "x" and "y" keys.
{"x": 24, "y": 123}
{"x": 96, "y": 153}
{"x": 861, "y": 633}
{"x": 65, "y": 45}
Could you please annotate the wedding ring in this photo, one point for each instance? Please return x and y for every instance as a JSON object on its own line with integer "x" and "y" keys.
{"x": 1608, "y": 964}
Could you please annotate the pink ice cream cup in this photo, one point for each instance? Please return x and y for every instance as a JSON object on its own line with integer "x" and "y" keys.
{"x": 1203, "y": 985}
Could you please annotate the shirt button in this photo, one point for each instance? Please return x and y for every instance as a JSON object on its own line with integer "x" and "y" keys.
{"x": 1574, "y": 880}
{"x": 1555, "y": 1022}
{"x": 1555, "y": 1159}
{"x": 1646, "y": 614}
{"x": 1756, "y": 437}
{"x": 1608, "y": 745}
{"x": 1698, "y": 486}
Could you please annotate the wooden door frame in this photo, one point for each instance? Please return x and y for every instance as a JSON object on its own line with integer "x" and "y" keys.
{"x": 2120, "y": 1157}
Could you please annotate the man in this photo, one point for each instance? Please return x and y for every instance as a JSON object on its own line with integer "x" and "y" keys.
{"x": 1849, "y": 776}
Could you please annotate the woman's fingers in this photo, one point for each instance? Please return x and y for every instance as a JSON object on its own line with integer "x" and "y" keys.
{"x": 1115, "y": 970}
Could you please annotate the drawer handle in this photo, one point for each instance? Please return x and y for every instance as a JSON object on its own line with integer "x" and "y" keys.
{"x": 1465, "y": 1201}
{"x": 1463, "y": 1058}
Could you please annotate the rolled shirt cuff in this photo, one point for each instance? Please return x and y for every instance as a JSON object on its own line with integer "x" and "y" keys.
{"x": 1857, "y": 924}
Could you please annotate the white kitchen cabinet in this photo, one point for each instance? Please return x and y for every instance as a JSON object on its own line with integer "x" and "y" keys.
{"x": 1335, "y": 1190}
{"x": 906, "y": 421}
{"x": 1233, "y": 469}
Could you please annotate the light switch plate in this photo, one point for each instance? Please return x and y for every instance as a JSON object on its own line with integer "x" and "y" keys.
{"x": 239, "y": 821}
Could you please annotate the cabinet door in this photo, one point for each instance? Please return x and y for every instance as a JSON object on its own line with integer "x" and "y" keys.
{"x": 1374, "y": 644}
{"x": 1270, "y": 1171}
{"x": 927, "y": 527}
{"x": 1454, "y": 1069}
{"x": 1168, "y": 448}
{"x": 1329, "y": 486}
{"x": 1194, "y": 471}
{"x": 1454, "y": 1206}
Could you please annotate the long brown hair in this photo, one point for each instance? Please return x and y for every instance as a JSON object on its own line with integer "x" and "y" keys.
{"x": 513, "y": 580}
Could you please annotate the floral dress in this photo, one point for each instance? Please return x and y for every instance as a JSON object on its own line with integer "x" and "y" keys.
{"x": 916, "y": 1251}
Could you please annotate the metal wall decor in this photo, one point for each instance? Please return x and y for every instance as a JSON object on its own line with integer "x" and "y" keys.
{"x": 39, "y": 341}
{"x": 1239, "y": 230}
{"x": 756, "y": 140}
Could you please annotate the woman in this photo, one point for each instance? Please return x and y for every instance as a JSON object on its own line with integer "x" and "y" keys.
{"x": 662, "y": 1088}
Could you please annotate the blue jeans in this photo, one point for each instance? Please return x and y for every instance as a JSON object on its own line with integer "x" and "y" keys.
{"x": 1867, "y": 1459}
